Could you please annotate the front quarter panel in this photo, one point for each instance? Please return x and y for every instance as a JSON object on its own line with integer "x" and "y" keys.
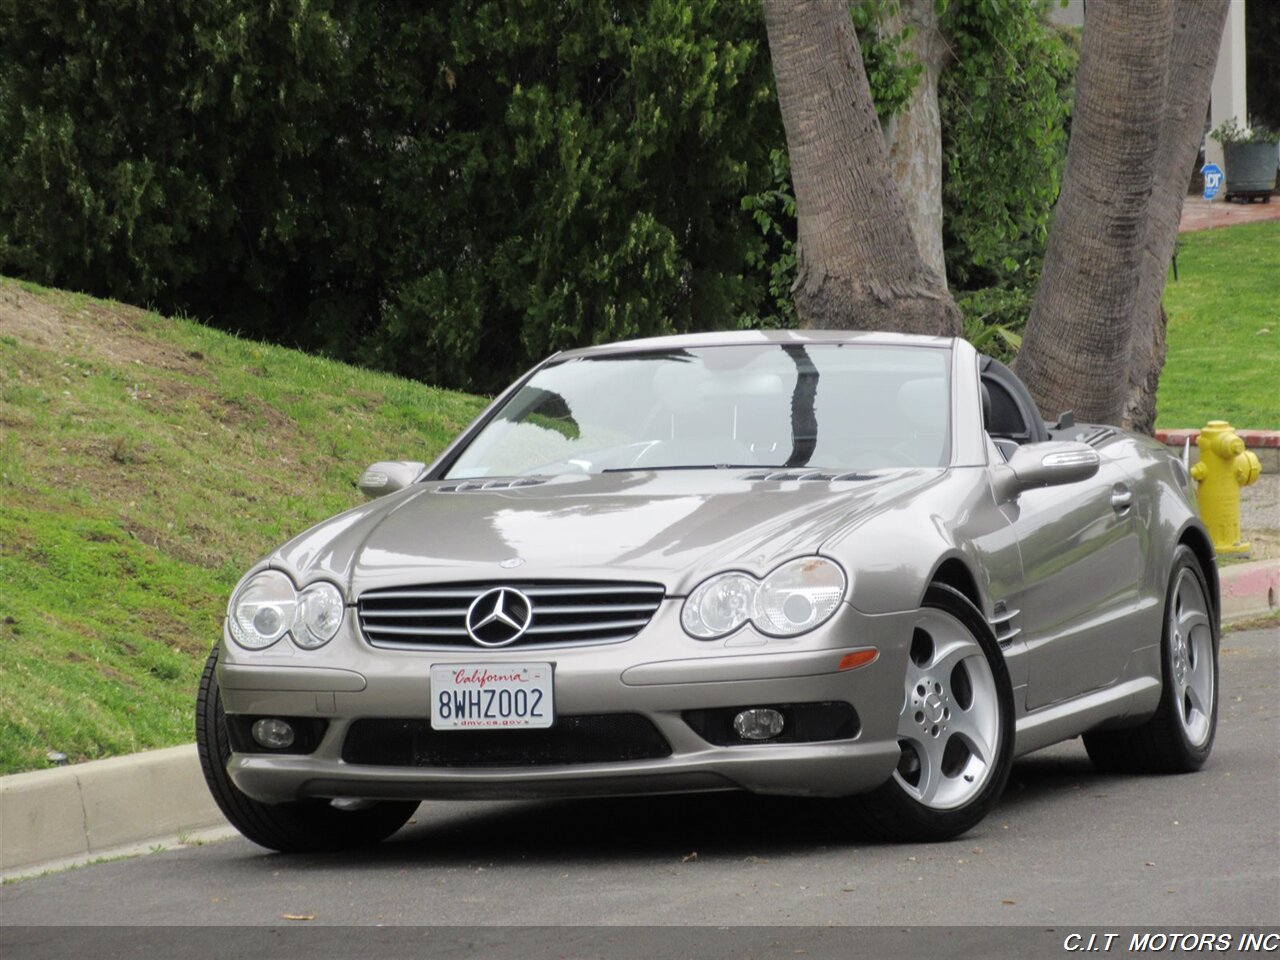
{"x": 894, "y": 555}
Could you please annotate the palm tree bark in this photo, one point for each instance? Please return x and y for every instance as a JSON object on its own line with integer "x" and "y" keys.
{"x": 915, "y": 134}
{"x": 858, "y": 265}
{"x": 1193, "y": 58}
{"x": 1076, "y": 350}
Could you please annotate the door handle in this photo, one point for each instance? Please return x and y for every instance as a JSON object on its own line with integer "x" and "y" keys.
{"x": 1121, "y": 498}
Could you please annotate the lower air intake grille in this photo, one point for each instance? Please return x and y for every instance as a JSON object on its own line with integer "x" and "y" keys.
{"x": 593, "y": 738}
{"x": 562, "y": 613}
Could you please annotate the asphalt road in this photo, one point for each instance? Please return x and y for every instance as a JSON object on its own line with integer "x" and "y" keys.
{"x": 1066, "y": 846}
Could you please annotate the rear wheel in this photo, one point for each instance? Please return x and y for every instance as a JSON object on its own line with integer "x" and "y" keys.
{"x": 299, "y": 827}
{"x": 1179, "y": 736}
{"x": 955, "y": 727}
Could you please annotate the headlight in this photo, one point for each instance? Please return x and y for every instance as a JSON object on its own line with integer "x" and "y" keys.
{"x": 794, "y": 598}
{"x": 319, "y": 615}
{"x": 798, "y": 596}
{"x": 268, "y": 606}
{"x": 719, "y": 605}
{"x": 262, "y": 611}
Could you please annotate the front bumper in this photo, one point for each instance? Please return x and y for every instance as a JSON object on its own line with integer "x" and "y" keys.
{"x": 658, "y": 674}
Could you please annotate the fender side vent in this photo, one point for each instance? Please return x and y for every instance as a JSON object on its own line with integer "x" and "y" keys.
{"x": 1005, "y": 624}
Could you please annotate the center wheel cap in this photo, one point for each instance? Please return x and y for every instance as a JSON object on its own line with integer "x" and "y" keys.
{"x": 1179, "y": 659}
{"x": 933, "y": 708}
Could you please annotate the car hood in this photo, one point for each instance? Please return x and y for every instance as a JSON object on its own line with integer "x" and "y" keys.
{"x": 669, "y": 527}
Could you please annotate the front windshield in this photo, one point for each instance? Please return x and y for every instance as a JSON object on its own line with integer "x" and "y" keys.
{"x": 831, "y": 406}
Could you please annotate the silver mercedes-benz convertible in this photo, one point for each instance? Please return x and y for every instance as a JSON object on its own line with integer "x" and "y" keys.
{"x": 830, "y": 564}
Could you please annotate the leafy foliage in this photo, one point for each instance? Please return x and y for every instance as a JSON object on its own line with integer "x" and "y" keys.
{"x": 994, "y": 319}
{"x": 892, "y": 70}
{"x": 1004, "y": 102}
{"x": 1230, "y": 132}
{"x": 774, "y": 212}
{"x": 173, "y": 152}
{"x": 602, "y": 200}
{"x": 452, "y": 191}
{"x": 447, "y": 190}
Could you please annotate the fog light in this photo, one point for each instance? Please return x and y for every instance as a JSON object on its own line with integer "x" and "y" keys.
{"x": 273, "y": 734}
{"x": 760, "y": 723}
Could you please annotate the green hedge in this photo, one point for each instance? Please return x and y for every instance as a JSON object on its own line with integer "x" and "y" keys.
{"x": 446, "y": 190}
{"x": 452, "y": 191}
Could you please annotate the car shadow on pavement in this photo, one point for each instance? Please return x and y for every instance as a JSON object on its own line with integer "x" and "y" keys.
{"x": 1044, "y": 777}
{"x": 735, "y": 825}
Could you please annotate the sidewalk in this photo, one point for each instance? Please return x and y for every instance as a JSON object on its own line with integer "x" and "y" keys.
{"x": 1199, "y": 214}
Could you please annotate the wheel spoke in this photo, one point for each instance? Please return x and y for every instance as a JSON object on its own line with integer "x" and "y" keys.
{"x": 1191, "y": 618}
{"x": 948, "y": 656}
{"x": 1200, "y": 679}
{"x": 931, "y": 779}
{"x": 967, "y": 725}
{"x": 1195, "y": 698}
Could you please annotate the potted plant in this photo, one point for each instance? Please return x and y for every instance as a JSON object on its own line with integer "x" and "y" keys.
{"x": 1249, "y": 155}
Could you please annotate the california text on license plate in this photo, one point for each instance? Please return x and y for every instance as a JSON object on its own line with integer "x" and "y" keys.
{"x": 472, "y": 696}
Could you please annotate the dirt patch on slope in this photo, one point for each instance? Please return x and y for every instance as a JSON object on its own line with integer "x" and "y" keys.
{"x": 115, "y": 334}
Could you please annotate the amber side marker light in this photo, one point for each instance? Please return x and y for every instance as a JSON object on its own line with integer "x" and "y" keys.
{"x": 859, "y": 658}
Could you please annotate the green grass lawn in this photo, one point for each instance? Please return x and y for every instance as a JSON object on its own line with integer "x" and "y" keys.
{"x": 1224, "y": 330}
{"x": 144, "y": 464}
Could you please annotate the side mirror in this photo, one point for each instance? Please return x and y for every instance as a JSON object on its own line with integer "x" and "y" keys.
{"x": 1047, "y": 464}
{"x": 388, "y": 476}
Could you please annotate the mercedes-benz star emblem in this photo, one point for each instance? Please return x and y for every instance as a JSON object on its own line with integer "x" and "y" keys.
{"x": 499, "y": 617}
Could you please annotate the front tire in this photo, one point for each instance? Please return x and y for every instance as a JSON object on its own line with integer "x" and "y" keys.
{"x": 955, "y": 728}
{"x": 1179, "y": 736}
{"x": 303, "y": 826}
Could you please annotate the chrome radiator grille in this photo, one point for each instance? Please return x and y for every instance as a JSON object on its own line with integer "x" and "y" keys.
{"x": 562, "y": 613}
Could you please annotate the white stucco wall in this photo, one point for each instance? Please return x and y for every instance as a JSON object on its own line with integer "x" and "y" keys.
{"x": 1228, "y": 97}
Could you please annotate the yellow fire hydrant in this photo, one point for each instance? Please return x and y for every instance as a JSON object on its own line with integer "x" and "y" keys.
{"x": 1225, "y": 466}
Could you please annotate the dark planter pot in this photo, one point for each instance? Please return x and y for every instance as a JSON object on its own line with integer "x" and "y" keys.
{"x": 1251, "y": 167}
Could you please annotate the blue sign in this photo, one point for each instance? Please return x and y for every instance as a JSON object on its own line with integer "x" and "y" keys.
{"x": 1212, "y": 179}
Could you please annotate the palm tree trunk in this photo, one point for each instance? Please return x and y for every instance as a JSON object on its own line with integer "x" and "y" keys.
{"x": 915, "y": 141}
{"x": 1077, "y": 345}
{"x": 1193, "y": 58}
{"x": 858, "y": 266}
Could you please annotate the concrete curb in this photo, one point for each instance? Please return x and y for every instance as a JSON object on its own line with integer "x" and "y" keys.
{"x": 88, "y": 809}
{"x": 125, "y": 805}
{"x": 1250, "y": 589}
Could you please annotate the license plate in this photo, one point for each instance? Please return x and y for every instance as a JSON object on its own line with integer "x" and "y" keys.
{"x": 472, "y": 696}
